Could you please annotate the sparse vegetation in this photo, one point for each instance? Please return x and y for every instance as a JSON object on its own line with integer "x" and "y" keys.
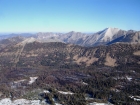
{"x": 57, "y": 70}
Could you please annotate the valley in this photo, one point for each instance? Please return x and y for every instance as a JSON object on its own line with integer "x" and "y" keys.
{"x": 35, "y": 71}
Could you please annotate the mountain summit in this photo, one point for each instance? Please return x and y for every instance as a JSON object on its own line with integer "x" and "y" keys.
{"x": 108, "y": 34}
{"x": 103, "y": 37}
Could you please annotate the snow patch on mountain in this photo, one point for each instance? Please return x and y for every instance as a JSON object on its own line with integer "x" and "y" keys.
{"x": 108, "y": 34}
{"x": 20, "y": 81}
{"x": 95, "y": 103}
{"x": 32, "y": 80}
{"x": 62, "y": 92}
{"x": 7, "y": 101}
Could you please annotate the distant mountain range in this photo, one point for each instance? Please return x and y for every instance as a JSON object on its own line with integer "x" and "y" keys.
{"x": 103, "y": 37}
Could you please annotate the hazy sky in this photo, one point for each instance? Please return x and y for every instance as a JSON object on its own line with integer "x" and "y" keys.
{"x": 68, "y": 15}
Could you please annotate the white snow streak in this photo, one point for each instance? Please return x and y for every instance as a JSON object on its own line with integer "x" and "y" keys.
{"x": 7, "y": 101}
{"x": 19, "y": 81}
{"x": 128, "y": 78}
{"x": 62, "y": 92}
{"x": 32, "y": 80}
{"x": 95, "y": 103}
{"x": 136, "y": 98}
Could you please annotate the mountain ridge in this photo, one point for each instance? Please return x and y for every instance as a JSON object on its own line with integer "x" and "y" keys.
{"x": 104, "y": 37}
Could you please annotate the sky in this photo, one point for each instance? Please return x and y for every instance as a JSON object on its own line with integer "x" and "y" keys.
{"x": 68, "y": 15}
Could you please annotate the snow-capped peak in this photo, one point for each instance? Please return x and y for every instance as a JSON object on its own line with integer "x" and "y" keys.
{"x": 108, "y": 33}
